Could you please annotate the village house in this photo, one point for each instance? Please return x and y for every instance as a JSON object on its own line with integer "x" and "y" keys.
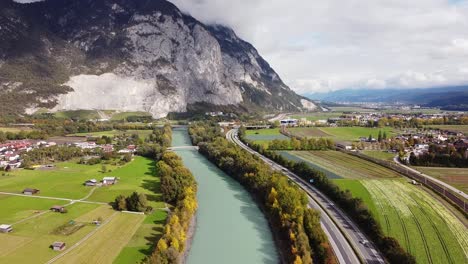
{"x": 109, "y": 180}
{"x": 107, "y": 148}
{"x": 58, "y": 209}
{"x": 58, "y": 246}
{"x": 30, "y": 191}
{"x": 6, "y": 228}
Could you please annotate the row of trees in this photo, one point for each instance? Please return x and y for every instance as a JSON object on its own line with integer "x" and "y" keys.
{"x": 54, "y": 153}
{"x": 179, "y": 188}
{"x": 33, "y": 134}
{"x": 303, "y": 144}
{"x": 354, "y": 207}
{"x": 441, "y": 159}
{"x": 136, "y": 202}
{"x": 157, "y": 143}
{"x": 297, "y": 226}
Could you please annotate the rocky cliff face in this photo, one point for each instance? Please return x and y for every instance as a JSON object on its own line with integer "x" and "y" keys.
{"x": 135, "y": 55}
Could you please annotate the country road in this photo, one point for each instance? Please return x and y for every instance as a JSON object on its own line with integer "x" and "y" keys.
{"x": 345, "y": 237}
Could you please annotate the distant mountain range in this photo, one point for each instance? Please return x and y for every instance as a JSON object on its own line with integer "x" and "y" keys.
{"x": 448, "y": 98}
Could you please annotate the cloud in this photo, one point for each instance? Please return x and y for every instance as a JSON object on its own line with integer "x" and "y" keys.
{"x": 334, "y": 44}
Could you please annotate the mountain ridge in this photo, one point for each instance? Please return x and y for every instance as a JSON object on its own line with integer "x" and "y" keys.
{"x": 83, "y": 54}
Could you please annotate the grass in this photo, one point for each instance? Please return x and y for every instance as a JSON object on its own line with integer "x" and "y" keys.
{"x": 345, "y": 165}
{"x": 381, "y": 155}
{"x": 16, "y": 208}
{"x": 78, "y": 114}
{"x": 142, "y": 242}
{"x": 290, "y": 156}
{"x": 262, "y": 136}
{"x": 122, "y": 116}
{"x": 308, "y": 132}
{"x": 454, "y": 128}
{"x": 105, "y": 245}
{"x": 30, "y": 241}
{"x": 422, "y": 225}
{"x": 354, "y": 133}
{"x": 356, "y": 187}
{"x": 457, "y": 177}
{"x": 317, "y": 116}
{"x": 15, "y": 129}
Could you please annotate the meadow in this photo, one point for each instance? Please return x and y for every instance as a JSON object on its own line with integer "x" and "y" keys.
{"x": 422, "y": 225}
{"x": 36, "y": 227}
{"x": 315, "y": 116}
{"x": 341, "y": 133}
{"x": 264, "y": 135}
{"x": 344, "y": 165}
{"x": 378, "y": 154}
{"x": 457, "y": 177}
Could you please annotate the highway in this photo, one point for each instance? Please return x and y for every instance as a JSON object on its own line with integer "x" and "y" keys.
{"x": 344, "y": 236}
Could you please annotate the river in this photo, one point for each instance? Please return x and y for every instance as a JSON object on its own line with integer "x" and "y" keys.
{"x": 230, "y": 226}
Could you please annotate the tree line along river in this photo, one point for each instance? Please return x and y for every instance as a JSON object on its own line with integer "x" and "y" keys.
{"x": 230, "y": 228}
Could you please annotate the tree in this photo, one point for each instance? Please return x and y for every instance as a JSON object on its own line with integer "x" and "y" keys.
{"x": 370, "y": 138}
{"x": 385, "y": 135}
{"x": 120, "y": 203}
{"x": 103, "y": 168}
{"x": 380, "y": 136}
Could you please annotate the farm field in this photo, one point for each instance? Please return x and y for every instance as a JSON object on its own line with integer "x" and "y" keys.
{"x": 354, "y": 133}
{"x": 289, "y": 155}
{"x": 422, "y": 225}
{"x": 141, "y": 244}
{"x": 317, "y": 116}
{"x": 462, "y": 128}
{"x": 107, "y": 242}
{"x": 345, "y": 165}
{"x": 122, "y": 116}
{"x": 15, "y": 129}
{"x": 78, "y": 114}
{"x": 36, "y": 227}
{"x": 382, "y": 155}
{"x": 308, "y": 132}
{"x": 341, "y": 133}
{"x": 457, "y": 177}
{"x": 264, "y": 135}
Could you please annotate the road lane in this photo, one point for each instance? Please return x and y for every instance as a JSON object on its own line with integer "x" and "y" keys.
{"x": 344, "y": 235}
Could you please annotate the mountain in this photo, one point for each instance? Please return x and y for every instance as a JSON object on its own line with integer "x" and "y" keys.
{"x": 131, "y": 55}
{"x": 449, "y": 98}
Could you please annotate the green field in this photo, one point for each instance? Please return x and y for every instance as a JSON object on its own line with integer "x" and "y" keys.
{"x": 317, "y": 115}
{"x": 35, "y": 227}
{"x": 381, "y": 155}
{"x": 422, "y": 225}
{"x": 462, "y": 128}
{"x": 112, "y": 133}
{"x": 341, "y": 133}
{"x": 15, "y": 129}
{"x": 308, "y": 132}
{"x": 457, "y": 177}
{"x": 345, "y": 165}
{"x": 122, "y": 116}
{"x": 78, "y": 114}
{"x": 354, "y": 133}
{"x": 262, "y": 136}
{"x": 141, "y": 244}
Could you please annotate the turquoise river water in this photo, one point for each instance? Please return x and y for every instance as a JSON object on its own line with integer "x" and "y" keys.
{"x": 230, "y": 226}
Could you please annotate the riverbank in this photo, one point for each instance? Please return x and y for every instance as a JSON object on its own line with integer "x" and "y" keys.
{"x": 188, "y": 242}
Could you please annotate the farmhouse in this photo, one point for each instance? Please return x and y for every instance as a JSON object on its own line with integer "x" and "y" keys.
{"x": 92, "y": 182}
{"x": 109, "y": 180}
{"x": 58, "y": 209}
{"x": 6, "y": 228}
{"x": 58, "y": 246}
{"x": 289, "y": 122}
{"x": 30, "y": 191}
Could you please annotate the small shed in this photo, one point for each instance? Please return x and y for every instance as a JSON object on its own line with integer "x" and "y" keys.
{"x": 91, "y": 182}
{"x": 58, "y": 209}
{"x": 6, "y": 228}
{"x": 58, "y": 246}
{"x": 30, "y": 191}
{"x": 109, "y": 180}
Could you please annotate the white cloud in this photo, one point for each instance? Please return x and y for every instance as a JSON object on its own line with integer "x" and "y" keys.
{"x": 334, "y": 44}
